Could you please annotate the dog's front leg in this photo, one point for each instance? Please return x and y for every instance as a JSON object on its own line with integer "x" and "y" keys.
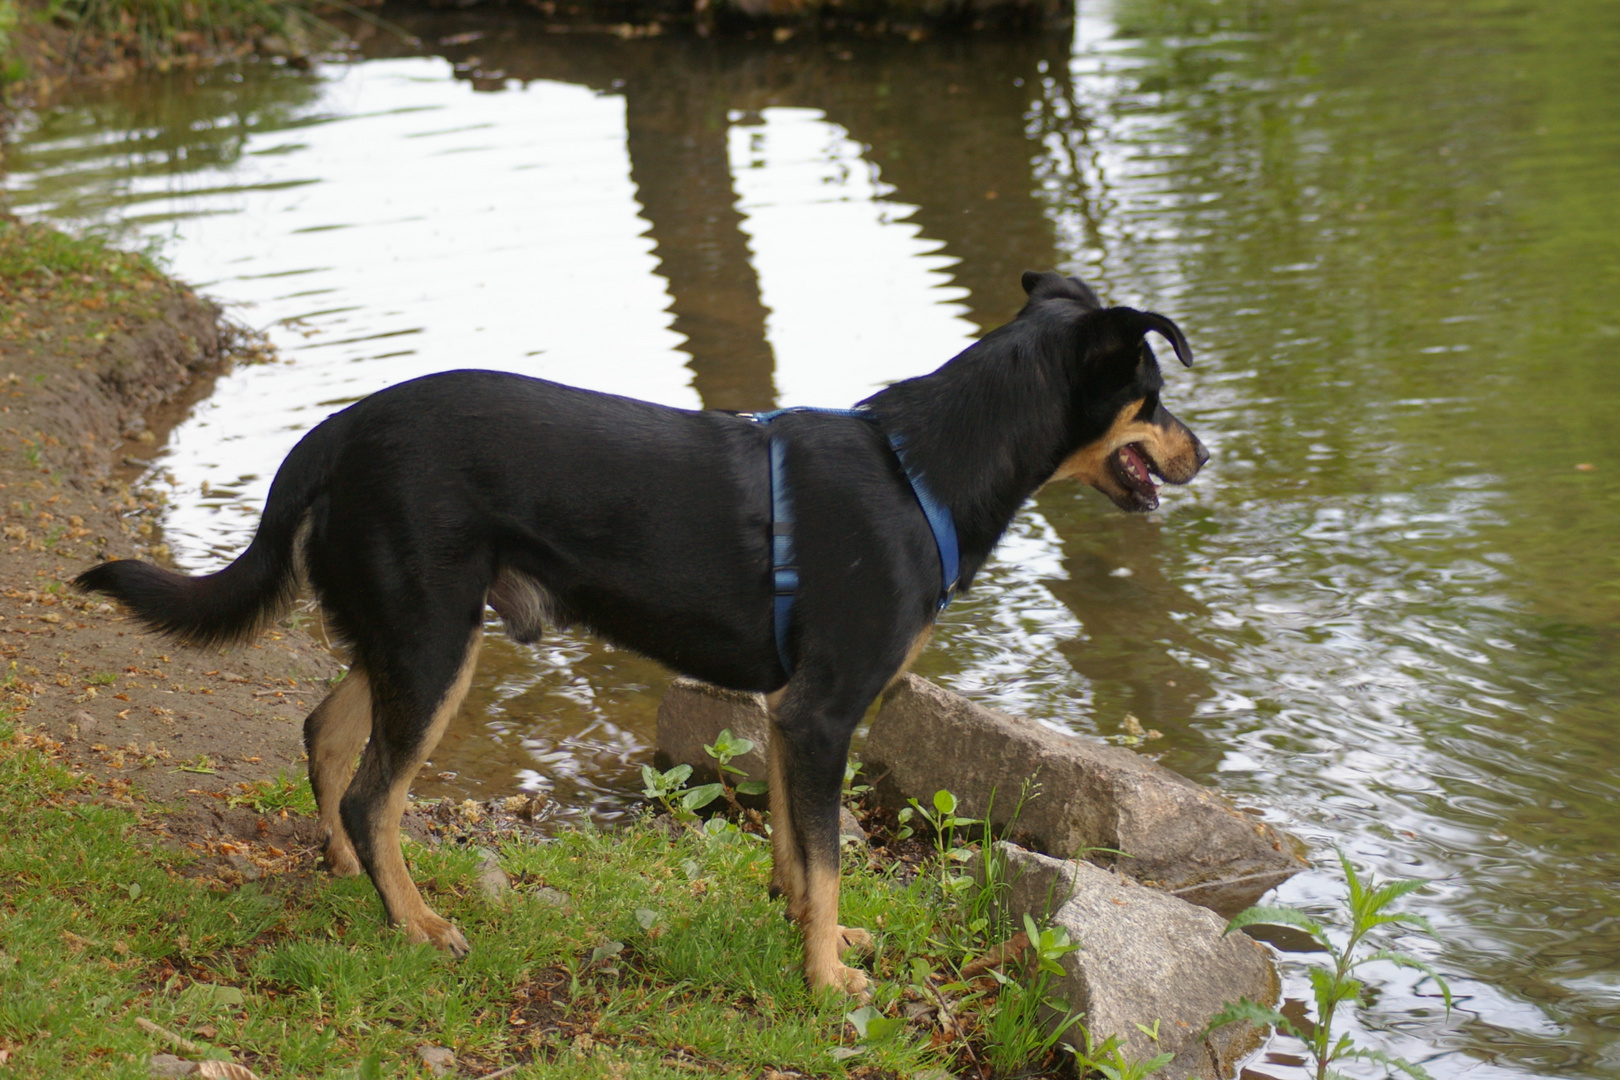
{"x": 807, "y": 778}
{"x": 787, "y": 863}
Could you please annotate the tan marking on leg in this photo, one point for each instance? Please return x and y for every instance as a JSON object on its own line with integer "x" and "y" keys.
{"x": 787, "y": 862}
{"x": 334, "y": 734}
{"x": 824, "y": 939}
{"x": 917, "y": 647}
{"x": 406, "y": 908}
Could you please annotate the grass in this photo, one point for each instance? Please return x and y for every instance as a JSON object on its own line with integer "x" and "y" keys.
{"x": 104, "y": 34}
{"x": 63, "y": 296}
{"x": 667, "y": 958}
{"x": 40, "y": 259}
{"x": 284, "y": 792}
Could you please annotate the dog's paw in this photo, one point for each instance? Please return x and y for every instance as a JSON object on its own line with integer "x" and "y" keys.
{"x": 854, "y": 939}
{"x": 433, "y": 930}
{"x": 341, "y": 861}
{"x": 851, "y": 982}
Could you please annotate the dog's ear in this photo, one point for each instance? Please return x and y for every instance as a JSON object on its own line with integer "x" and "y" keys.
{"x": 1048, "y": 285}
{"x": 1140, "y": 323}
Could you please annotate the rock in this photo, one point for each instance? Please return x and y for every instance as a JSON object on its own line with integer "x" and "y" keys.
{"x": 492, "y": 880}
{"x": 555, "y": 897}
{"x": 439, "y": 1060}
{"x": 245, "y": 866}
{"x": 84, "y": 725}
{"x": 849, "y": 828}
{"x": 1145, "y": 957}
{"x": 167, "y": 1065}
{"x": 692, "y": 715}
{"x": 1179, "y": 836}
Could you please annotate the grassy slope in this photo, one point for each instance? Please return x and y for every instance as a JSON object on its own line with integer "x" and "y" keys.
{"x": 295, "y": 975}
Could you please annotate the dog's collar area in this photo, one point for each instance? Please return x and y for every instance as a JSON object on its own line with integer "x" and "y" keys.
{"x": 784, "y": 571}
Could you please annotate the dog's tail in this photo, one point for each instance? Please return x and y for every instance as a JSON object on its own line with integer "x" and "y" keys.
{"x": 233, "y": 603}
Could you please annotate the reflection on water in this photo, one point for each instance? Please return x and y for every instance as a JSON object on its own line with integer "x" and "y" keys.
{"x": 1388, "y": 612}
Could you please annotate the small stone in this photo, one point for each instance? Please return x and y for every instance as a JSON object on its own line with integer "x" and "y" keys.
{"x": 84, "y": 725}
{"x": 555, "y": 897}
{"x": 244, "y": 866}
{"x": 167, "y": 1065}
{"x": 439, "y": 1060}
{"x": 492, "y": 880}
{"x": 849, "y": 829}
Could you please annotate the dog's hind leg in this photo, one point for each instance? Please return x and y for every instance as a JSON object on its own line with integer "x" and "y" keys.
{"x": 333, "y": 735}
{"x": 410, "y": 710}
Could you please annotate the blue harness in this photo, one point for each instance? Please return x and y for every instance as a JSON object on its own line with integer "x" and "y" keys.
{"x": 785, "y": 571}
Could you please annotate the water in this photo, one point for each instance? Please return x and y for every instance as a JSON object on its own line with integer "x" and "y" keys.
{"x": 1386, "y": 614}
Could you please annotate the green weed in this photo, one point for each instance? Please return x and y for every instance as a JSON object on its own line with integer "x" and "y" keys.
{"x": 1015, "y": 1032}
{"x": 1336, "y": 985}
{"x": 669, "y": 789}
{"x": 728, "y": 747}
{"x": 284, "y": 792}
{"x": 1109, "y": 1059}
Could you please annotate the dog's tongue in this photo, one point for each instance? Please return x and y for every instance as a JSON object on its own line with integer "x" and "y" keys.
{"x": 1136, "y": 468}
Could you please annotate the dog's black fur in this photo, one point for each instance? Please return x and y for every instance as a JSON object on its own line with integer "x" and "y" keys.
{"x": 412, "y": 509}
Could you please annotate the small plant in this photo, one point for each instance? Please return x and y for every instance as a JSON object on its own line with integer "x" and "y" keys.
{"x": 669, "y": 788}
{"x": 1109, "y": 1057}
{"x": 872, "y": 1029}
{"x": 284, "y": 792}
{"x": 943, "y": 821}
{"x": 726, "y": 748}
{"x": 1336, "y": 985}
{"x": 852, "y": 790}
{"x": 1015, "y": 1032}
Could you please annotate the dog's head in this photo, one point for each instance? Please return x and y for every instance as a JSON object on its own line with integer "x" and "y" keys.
{"x": 1125, "y": 435}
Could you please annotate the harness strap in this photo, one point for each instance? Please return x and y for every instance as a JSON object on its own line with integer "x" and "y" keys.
{"x": 784, "y": 570}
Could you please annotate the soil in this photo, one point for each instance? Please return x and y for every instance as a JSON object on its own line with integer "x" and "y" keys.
{"x": 93, "y": 374}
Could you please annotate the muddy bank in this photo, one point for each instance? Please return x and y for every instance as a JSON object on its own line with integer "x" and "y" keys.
{"x": 99, "y": 355}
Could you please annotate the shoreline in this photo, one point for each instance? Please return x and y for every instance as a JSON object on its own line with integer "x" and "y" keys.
{"x": 100, "y": 354}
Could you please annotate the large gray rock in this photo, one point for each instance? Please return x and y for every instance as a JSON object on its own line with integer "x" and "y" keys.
{"x": 1180, "y": 836}
{"x": 1144, "y": 957}
{"x": 692, "y": 715}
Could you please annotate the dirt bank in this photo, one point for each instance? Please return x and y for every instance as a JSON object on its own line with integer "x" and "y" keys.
{"x": 99, "y": 356}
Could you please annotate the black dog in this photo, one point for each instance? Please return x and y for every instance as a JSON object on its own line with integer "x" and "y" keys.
{"x": 413, "y": 509}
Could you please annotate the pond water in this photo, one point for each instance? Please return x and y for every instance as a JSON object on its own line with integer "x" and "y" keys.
{"x": 1389, "y": 612}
